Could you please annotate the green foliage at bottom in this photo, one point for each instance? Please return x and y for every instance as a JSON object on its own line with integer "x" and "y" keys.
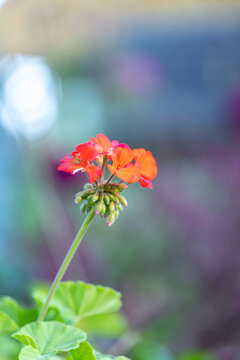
{"x": 50, "y": 337}
{"x": 29, "y": 353}
{"x": 9, "y": 348}
{"x": 61, "y": 337}
{"x": 13, "y": 316}
{"x": 86, "y": 352}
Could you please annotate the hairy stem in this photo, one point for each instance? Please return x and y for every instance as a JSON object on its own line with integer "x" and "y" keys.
{"x": 66, "y": 263}
{"x": 105, "y": 159}
{"x": 108, "y": 181}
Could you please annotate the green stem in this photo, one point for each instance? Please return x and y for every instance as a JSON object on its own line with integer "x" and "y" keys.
{"x": 66, "y": 263}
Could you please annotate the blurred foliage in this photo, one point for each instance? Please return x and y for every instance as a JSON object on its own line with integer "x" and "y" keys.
{"x": 9, "y": 348}
{"x": 197, "y": 355}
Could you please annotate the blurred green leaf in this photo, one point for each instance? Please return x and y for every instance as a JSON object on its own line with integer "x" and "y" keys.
{"x": 9, "y": 348}
{"x": 29, "y": 353}
{"x": 7, "y": 325}
{"x": 78, "y": 300}
{"x": 48, "y": 338}
{"x": 109, "y": 325}
{"x": 148, "y": 349}
{"x": 86, "y": 352}
{"x": 197, "y": 355}
{"x": 13, "y": 316}
{"x": 83, "y": 352}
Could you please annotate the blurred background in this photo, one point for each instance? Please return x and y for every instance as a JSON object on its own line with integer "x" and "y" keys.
{"x": 159, "y": 74}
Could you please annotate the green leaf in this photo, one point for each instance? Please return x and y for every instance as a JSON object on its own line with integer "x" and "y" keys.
{"x": 13, "y": 316}
{"x": 9, "y": 348}
{"x": 7, "y": 325}
{"x": 29, "y": 353}
{"x": 78, "y": 300}
{"x": 49, "y": 337}
{"x": 86, "y": 352}
{"x": 110, "y": 325}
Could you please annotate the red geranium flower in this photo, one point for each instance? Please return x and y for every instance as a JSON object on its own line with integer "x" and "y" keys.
{"x": 104, "y": 146}
{"x": 80, "y": 160}
{"x": 130, "y": 166}
{"x": 146, "y": 161}
{"x": 122, "y": 166}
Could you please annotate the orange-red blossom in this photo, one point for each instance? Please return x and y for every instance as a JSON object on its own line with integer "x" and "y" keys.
{"x": 81, "y": 160}
{"x": 128, "y": 165}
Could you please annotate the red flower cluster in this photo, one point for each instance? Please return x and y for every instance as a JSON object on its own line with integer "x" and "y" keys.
{"x": 128, "y": 165}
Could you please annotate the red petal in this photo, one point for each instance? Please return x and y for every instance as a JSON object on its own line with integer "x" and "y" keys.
{"x": 124, "y": 156}
{"x": 94, "y": 172}
{"x": 111, "y": 168}
{"x": 70, "y": 165}
{"x": 86, "y": 152}
{"x": 144, "y": 182}
{"x": 115, "y": 144}
{"x": 147, "y": 161}
{"x": 149, "y": 167}
{"x": 130, "y": 174}
{"x": 102, "y": 142}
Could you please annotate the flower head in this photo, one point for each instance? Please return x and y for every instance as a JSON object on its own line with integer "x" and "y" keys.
{"x": 130, "y": 166}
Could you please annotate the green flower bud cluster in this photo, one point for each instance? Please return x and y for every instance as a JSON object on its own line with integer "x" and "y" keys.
{"x": 106, "y": 199}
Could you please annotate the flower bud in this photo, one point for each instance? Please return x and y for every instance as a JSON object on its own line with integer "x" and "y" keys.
{"x": 122, "y": 186}
{"x": 111, "y": 197}
{"x": 114, "y": 198}
{"x": 116, "y": 213}
{"x": 95, "y": 197}
{"x": 87, "y": 186}
{"x": 89, "y": 200}
{"x": 106, "y": 199}
{"x": 103, "y": 209}
{"x": 98, "y": 208}
{"x": 111, "y": 219}
{"x": 117, "y": 186}
{"x": 85, "y": 194}
{"x": 78, "y": 199}
{"x": 123, "y": 200}
{"x": 83, "y": 207}
{"x": 111, "y": 207}
{"x": 78, "y": 194}
{"x": 120, "y": 207}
